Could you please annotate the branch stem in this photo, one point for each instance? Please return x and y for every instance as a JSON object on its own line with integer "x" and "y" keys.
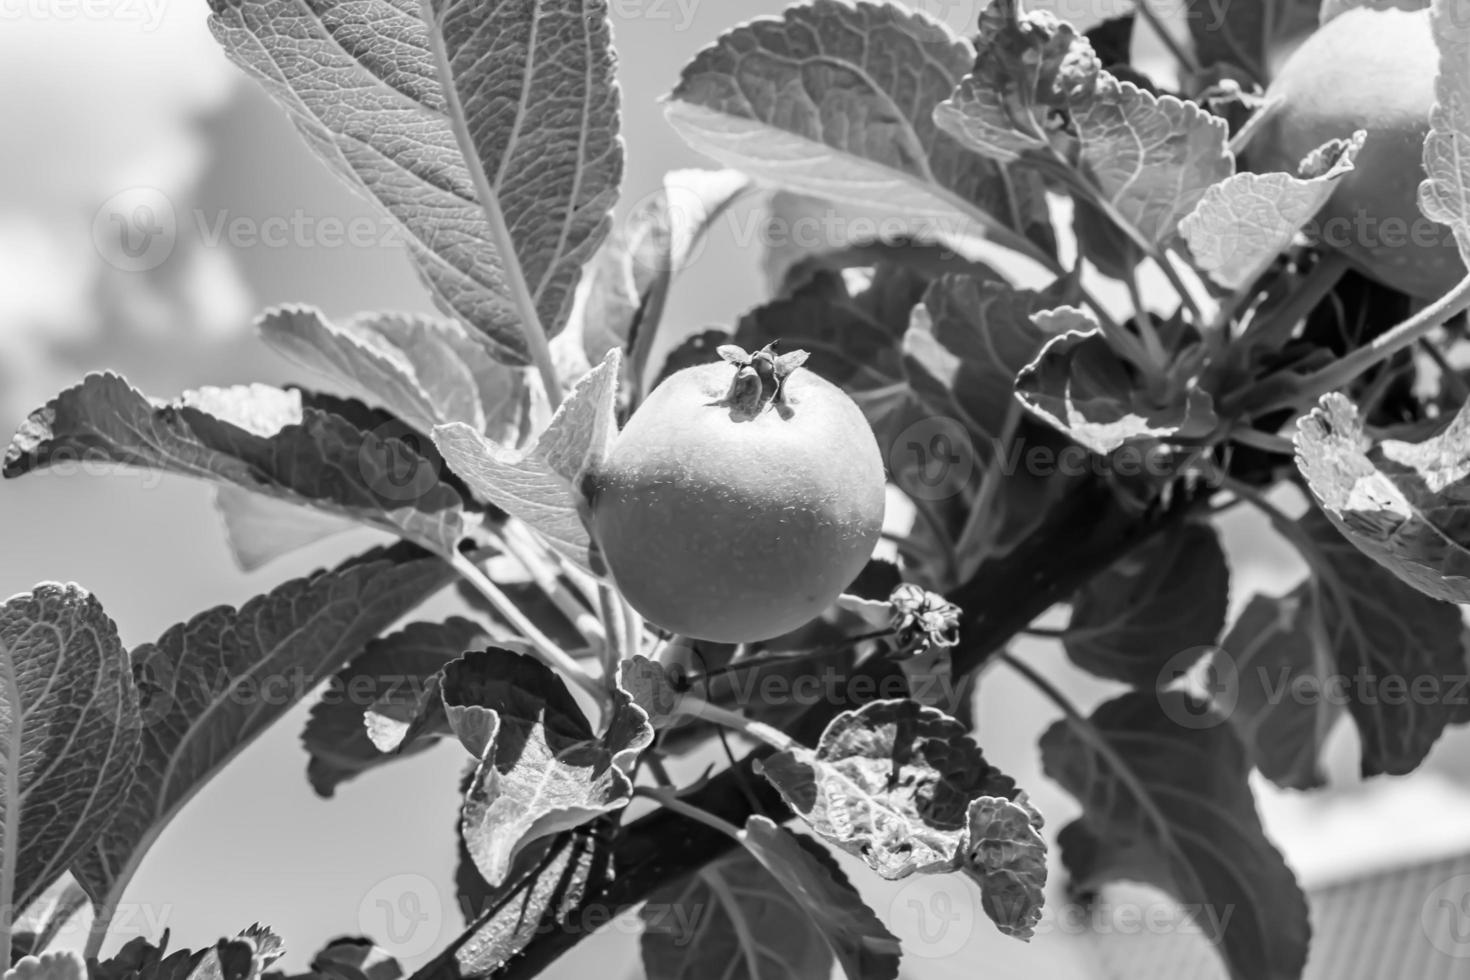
{"x": 552, "y": 655}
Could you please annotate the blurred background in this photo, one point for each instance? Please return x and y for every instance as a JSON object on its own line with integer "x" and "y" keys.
{"x": 123, "y": 118}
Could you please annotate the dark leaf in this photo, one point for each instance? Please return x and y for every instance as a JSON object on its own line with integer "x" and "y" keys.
{"x": 392, "y": 677}
{"x": 1168, "y": 804}
{"x": 1136, "y": 619}
{"x": 69, "y": 727}
{"x": 210, "y": 685}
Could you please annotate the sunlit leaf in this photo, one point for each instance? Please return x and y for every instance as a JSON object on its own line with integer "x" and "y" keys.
{"x": 1078, "y": 384}
{"x": 543, "y": 769}
{"x": 394, "y": 106}
{"x": 1241, "y": 224}
{"x": 835, "y": 100}
{"x": 1006, "y": 855}
{"x": 890, "y": 783}
{"x": 1444, "y": 195}
{"x": 541, "y": 484}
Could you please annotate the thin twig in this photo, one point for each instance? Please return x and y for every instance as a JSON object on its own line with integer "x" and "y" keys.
{"x": 1181, "y": 54}
{"x": 669, "y": 801}
{"x": 1454, "y": 385}
{"x": 552, "y": 655}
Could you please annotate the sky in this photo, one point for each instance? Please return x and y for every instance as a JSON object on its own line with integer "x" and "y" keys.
{"x": 113, "y": 105}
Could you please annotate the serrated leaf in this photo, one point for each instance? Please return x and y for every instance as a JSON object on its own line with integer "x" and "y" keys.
{"x": 1029, "y": 67}
{"x": 1179, "y": 815}
{"x": 425, "y": 370}
{"x": 1079, "y": 385}
{"x": 622, "y": 298}
{"x": 273, "y": 441}
{"x": 864, "y": 947}
{"x": 541, "y": 485}
{"x": 559, "y": 874}
{"x": 392, "y": 677}
{"x": 69, "y": 734}
{"x": 732, "y": 918}
{"x": 543, "y": 769}
{"x": 1241, "y": 224}
{"x": 1165, "y": 598}
{"x": 889, "y": 783}
{"x": 59, "y": 965}
{"x": 1277, "y": 661}
{"x": 968, "y": 341}
{"x": 1390, "y": 644}
{"x": 835, "y": 100}
{"x": 1151, "y": 157}
{"x": 393, "y": 105}
{"x": 650, "y": 686}
{"x": 1402, "y": 504}
{"x": 210, "y": 685}
{"x": 1006, "y": 855}
{"x": 1444, "y": 196}
{"x": 241, "y": 958}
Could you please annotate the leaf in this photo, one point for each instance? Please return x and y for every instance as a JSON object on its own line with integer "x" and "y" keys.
{"x": 210, "y": 685}
{"x": 397, "y": 108}
{"x": 1241, "y": 224}
{"x": 69, "y": 728}
{"x": 543, "y": 769}
{"x": 392, "y": 677}
{"x": 1029, "y": 67}
{"x": 627, "y": 285}
{"x": 1169, "y": 805}
{"x": 969, "y": 340}
{"x": 1007, "y": 857}
{"x": 1248, "y": 32}
{"x": 37, "y": 926}
{"x": 354, "y": 959}
{"x": 734, "y": 919}
{"x": 59, "y": 965}
{"x": 268, "y": 440}
{"x": 541, "y": 485}
{"x": 835, "y": 100}
{"x": 889, "y": 783}
{"x": 1129, "y": 623}
{"x": 1085, "y": 390}
{"x": 1444, "y": 196}
{"x": 1151, "y": 157}
{"x": 1402, "y": 504}
{"x": 650, "y": 686}
{"x": 241, "y": 958}
{"x": 864, "y": 947}
{"x": 1398, "y": 653}
{"x": 424, "y": 370}
{"x": 260, "y": 529}
{"x": 1273, "y": 667}
{"x": 559, "y": 875}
